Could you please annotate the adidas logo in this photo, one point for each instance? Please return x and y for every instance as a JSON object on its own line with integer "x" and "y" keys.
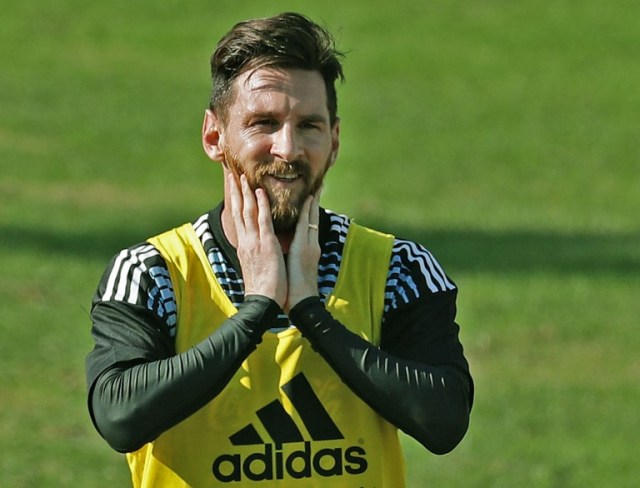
{"x": 279, "y": 460}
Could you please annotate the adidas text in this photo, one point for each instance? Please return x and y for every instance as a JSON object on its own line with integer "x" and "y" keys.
{"x": 276, "y": 464}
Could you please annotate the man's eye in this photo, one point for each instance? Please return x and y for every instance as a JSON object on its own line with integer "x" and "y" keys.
{"x": 266, "y": 123}
{"x": 310, "y": 125}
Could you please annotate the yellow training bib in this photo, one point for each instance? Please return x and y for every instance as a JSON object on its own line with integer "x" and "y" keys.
{"x": 285, "y": 419}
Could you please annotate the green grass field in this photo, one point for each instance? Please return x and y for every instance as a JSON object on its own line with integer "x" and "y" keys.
{"x": 500, "y": 134}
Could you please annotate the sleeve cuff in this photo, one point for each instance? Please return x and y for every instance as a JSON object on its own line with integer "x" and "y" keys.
{"x": 258, "y": 312}
{"x": 311, "y": 317}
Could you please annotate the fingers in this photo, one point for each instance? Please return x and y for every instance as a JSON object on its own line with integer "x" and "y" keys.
{"x": 249, "y": 208}
{"x": 304, "y": 254}
{"x": 310, "y": 216}
{"x": 301, "y": 235}
{"x": 265, "y": 221}
{"x": 307, "y": 228}
{"x": 236, "y": 202}
{"x": 244, "y": 206}
{"x": 314, "y": 210}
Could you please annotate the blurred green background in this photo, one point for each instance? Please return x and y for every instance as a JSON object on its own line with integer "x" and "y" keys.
{"x": 502, "y": 135}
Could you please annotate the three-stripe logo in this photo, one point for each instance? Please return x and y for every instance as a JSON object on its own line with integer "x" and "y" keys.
{"x": 281, "y": 426}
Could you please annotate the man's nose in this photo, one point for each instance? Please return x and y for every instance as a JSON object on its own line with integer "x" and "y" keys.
{"x": 286, "y": 144}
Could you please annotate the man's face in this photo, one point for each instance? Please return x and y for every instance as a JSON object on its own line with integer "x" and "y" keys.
{"x": 278, "y": 133}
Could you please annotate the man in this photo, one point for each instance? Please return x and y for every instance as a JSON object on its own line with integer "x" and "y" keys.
{"x": 272, "y": 342}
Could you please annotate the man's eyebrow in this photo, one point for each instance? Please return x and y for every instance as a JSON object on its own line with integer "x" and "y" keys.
{"x": 267, "y": 114}
{"x": 315, "y": 117}
{"x": 270, "y": 114}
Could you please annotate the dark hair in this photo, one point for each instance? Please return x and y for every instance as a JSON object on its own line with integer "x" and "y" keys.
{"x": 288, "y": 40}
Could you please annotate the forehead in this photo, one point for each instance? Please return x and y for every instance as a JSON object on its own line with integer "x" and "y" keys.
{"x": 275, "y": 89}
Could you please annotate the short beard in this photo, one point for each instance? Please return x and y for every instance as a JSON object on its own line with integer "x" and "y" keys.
{"x": 285, "y": 204}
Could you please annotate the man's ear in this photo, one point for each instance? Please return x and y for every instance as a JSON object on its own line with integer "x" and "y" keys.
{"x": 335, "y": 141}
{"x": 211, "y": 137}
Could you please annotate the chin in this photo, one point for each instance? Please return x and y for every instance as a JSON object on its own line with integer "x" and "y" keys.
{"x": 285, "y": 209}
{"x": 285, "y": 222}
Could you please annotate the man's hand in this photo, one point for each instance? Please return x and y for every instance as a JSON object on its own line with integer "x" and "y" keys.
{"x": 304, "y": 254}
{"x": 259, "y": 252}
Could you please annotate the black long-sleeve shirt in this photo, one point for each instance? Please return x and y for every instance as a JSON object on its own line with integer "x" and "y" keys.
{"x": 418, "y": 379}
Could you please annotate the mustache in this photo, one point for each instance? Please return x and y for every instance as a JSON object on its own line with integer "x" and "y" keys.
{"x": 279, "y": 166}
